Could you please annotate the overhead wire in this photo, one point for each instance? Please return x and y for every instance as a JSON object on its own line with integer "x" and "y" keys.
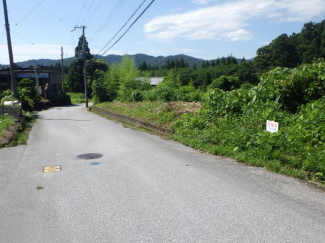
{"x": 83, "y": 7}
{"x": 32, "y": 43}
{"x": 129, "y": 27}
{"x": 123, "y": 26}
{"x": 53, "y": 14}
{"x": 92, "y": 16}
{"x": 111, "y": 16}
{"x": 29, "y": 13}
{"x": 92, "y": 2}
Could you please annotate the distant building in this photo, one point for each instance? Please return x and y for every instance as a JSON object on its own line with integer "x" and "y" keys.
{"x": 50, "y": 81}
{"x": 154, "y": 81}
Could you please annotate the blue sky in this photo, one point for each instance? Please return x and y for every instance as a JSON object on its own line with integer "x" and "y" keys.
{"x": 201, "y": 28}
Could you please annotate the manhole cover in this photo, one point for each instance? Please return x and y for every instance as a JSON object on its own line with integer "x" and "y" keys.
{"x": 48, "y": 169}
{"x": 95, "y": 163}
{"x": 89, "y": 156}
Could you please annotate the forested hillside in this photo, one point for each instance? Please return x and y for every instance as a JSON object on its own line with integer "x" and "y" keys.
{"x": 293, "y": 50}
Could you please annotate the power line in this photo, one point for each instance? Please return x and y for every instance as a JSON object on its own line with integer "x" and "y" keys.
{"x": 129, "y": 27}
{"x": 83, "y": 7}
{"x": 29, "y": 13}
{"x": 53, "y": 14}
{"x": 32, "y": 43}
{"x": 87, "y": 12}
{"x": 112, "y": 15}
{"x": 123, "y": 26}
{"x": 94, "y": 12}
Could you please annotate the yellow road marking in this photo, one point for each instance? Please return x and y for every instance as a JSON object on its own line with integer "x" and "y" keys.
{"x": 48, "y": 169}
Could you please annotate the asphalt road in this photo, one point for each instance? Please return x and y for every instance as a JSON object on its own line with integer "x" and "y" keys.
{"x": 145, "y": 189}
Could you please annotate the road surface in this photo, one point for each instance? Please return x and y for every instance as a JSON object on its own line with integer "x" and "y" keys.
{"x": 145, "y": 189}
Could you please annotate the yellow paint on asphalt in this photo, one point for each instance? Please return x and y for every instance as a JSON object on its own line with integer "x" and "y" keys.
{"x": 48, "y": 169}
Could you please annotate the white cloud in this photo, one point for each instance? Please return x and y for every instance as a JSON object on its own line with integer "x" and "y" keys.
{"x": 230, "y": 20}
{"x": 23, "y": 52}
{"x": 200, "y": 1}
{"x": 237, "y": 35}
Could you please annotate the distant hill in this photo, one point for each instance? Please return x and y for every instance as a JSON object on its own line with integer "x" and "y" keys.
{"x": 138, "y": 58}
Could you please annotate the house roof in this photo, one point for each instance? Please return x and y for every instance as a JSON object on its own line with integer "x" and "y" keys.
{"x": 154, "y": 81}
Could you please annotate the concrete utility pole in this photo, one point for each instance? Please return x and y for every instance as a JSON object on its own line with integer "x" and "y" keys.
{"x": 62, "y": 59}
{"x": 11, "y": 59}
{"x": 62, "y": 70}
{"x": 84, "y": 59}
{"x": 37, "y": 79}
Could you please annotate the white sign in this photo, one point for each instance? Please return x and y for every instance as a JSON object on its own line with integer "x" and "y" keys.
{"x": 272, "y": 126}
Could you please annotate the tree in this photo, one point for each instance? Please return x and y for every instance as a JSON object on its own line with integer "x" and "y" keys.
{"x": 75, "y": 78}
{"x": 27, "y": 92}
{"x": 112, "y": 81}
{"x": 128, "y": 74}
{"x": 144, "y": 66}
{"x": 207, "y": 80}
{"x": 98, "y": 86}
{"x": 79, "y": 48}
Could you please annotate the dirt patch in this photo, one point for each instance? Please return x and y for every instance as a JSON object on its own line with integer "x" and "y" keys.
{"x": 181, "y": 107}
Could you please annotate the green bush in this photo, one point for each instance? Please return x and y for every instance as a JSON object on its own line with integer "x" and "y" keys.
{"x": 137, "y": 96}
{"x": 233, "y": 122}
{"x": 28, "y": 92}
{"x": 293, "y": 87}
{"x": 226, "y": 83}
{"x": 188, "y": 93}
{"x": 99, "y": 93}
{"x": 6, "y": 95}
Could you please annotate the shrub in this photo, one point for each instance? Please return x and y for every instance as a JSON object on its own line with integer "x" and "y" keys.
{"x": 98, "y": 87}
{"x": 6, "y": 95}
{"x": 27, "y": 92}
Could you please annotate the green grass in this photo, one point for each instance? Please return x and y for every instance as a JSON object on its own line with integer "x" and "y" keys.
{"x": 220, "y": 136}
{"x": 77, "y": 98}
{"x": 21, "y": 137}
{"x": 156, "y": 112}
{"x": 5, "y": 123}
{"x": 153, "y": 112}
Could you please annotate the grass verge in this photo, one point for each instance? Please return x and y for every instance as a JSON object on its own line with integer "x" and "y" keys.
{"x": 77, "y": 98}
{"x": 187, "y": 126}
{"x": 5, "y": 123}
{"x": 156, "y": 112}
{"x": 21, "y": 137}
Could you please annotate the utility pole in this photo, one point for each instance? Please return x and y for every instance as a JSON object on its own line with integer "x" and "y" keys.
{"x": 62, "y": 70}
{"x": 11, "y": 59}
{"x": 62, "y": 59}
{"x": 37, "y": 80}
{"x": 84, "y": 59}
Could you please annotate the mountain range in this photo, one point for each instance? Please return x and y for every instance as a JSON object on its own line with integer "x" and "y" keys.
{"x": 138, "y": 58}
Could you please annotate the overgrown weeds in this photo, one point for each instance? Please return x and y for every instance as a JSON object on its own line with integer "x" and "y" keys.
{"x": 232, "y": 123}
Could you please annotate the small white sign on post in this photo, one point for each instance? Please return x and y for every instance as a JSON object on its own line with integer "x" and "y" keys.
{"x": 272, "y": 126}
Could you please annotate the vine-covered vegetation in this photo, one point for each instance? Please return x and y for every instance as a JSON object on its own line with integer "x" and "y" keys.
{"x": 233, "y": 117}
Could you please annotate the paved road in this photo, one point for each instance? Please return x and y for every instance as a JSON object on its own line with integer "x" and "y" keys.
{"x": 146, "y": 189}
